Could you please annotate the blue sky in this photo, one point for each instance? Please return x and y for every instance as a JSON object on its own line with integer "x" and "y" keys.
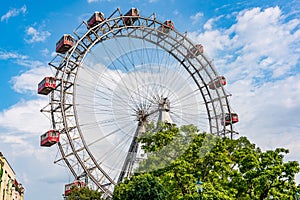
{"x": 255, "y": 44}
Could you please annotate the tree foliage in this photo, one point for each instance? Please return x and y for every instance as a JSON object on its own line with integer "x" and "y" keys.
{"x": 84, "y": 193}
{"x": 230, "y": 169}
{"x": 141, "y": 187}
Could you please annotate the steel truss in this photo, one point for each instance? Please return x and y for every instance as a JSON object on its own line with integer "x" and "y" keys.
{"x": 62, "y": 106}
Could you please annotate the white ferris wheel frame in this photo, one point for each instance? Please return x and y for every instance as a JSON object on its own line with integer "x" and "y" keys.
{"x": 62, "y": 104}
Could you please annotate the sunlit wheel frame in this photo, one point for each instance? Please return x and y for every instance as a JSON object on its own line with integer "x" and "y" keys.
{"x": 117, "y": 75}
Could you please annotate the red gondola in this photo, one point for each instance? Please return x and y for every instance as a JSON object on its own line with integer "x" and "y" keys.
{"x": 134, "y": 13}
{"x": 50, "y": 138}
{"x": 95, "y": 19}
{"x": 166, "y": 27}
{"x": 70, "y": 186}
{"x": 65, "y": 43}
{"x": 218, "y": 82}
{"x": 230, "y": 119}
{"x": 195, "y": 51}
{"x": 47, "y": 85}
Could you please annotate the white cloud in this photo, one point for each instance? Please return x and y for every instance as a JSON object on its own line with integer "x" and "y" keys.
{"x": 208, "y": 24}
{"x": 213, "y": 40}
{"x": 19, "y": 118}
{"x": 33, "y": 164}
{"x": 29, "y": 63}
{"x": 11, "y": 55}
{"x": 28, "y": 81}
{"x": 268, "y": 114}
{"x": 176, "y": 12}
{"x": 45, "y": 52}
{"x": 36, "y": 35}
{"x": 196, "y": 18}
{"x": 264, "y": 34}
{"x": 21, "y": 126}
{"x": 13, "y": 13}
{"x": 22, "y": 60}
{"x": 260, "y": 44}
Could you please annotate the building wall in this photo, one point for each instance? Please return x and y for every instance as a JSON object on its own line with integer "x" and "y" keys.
{"x": 10, "y": 189}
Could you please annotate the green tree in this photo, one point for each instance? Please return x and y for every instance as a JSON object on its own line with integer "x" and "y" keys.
{"x": 140, "y": 187}
{"x": 230, "y": 169}
{"x": 264, "y": 173}
{"x": 84, "y": 193}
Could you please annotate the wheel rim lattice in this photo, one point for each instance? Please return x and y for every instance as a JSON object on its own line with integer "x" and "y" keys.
{"x": 62, "y": 106}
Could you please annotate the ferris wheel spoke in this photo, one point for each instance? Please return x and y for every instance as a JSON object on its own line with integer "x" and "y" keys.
{"x": 106, "y": 82}
{"x": 103, "y": 122}
{"x": 107, "y": 79}
{"x": 136, "y": 73}
{"x": 116, "y": 148}
{"x": 186, "y": 97}
{"x": 107, "y": 135}
{"x": 188, "y": 118}
{"x": 99, "y": 94}
{"x": 182, "y": 88}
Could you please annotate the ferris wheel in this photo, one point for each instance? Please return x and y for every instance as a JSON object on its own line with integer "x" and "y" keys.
{"x": 115, "y": 75}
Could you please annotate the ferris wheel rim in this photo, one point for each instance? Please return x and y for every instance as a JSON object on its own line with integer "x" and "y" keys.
{"x": 67, "y": 59}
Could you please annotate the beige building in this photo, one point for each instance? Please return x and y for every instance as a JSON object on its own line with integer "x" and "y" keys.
{"x": 10, "y": 189}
